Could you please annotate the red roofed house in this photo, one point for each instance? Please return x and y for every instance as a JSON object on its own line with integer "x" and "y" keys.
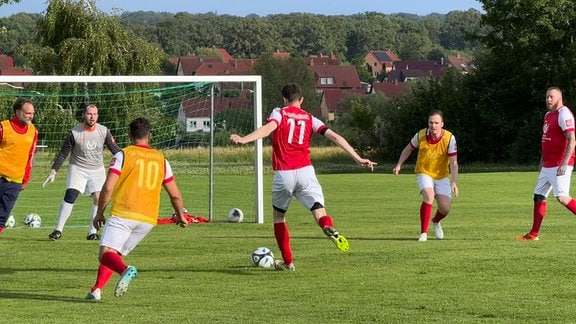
{"x": 461, "y": 64}
{"x": 232, "y": 67}
{"x": 187, "y": 65}
{"x": 195, "y": 112}
{"x": 405, "y": 71}
{"x": 380, "y": 62}
{"x": 322, "y": 60}
{"x": 332, "y": 81}
{"x": 226, "y": 57}
{"x": 335, "y": 77}
{"x": 7, "y": 67}
{"x": 283, "y": 55}
{"x": 6, "y": 61}
{"x": 329, "y": 102}
{"x": 389, "y": 89}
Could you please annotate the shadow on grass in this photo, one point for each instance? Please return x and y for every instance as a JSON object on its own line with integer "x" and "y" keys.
{"x": 34, "y": 296}
{"x": 320, "y": 237}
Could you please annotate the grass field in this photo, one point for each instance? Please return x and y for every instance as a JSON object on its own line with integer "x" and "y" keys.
{"x": 478, "y": 274}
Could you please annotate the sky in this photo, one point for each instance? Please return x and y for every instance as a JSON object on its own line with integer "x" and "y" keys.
{"x": 262, "y": 7}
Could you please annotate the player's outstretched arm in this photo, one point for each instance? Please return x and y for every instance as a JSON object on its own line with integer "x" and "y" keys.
{"x": 343, "y": 143}
{"x": 261, "y": 132}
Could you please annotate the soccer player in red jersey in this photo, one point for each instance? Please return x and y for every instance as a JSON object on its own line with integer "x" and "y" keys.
{"x": 294, "y": 175}
{"x": 556, "y": 160}
{"x": 18, "y": 138}
{"x": 437, "y": 160}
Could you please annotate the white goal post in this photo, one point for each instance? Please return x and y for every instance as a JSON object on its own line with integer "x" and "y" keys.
{"x": 254, "y": 82}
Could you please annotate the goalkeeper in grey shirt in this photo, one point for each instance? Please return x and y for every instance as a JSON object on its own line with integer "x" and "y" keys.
{"x": 86, "y": 172}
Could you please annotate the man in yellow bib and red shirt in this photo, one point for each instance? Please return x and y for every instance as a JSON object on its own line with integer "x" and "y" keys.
{"x": 436, "y": 162}
{"x": 18, "y": 138}
{"x": 135, "y": 179}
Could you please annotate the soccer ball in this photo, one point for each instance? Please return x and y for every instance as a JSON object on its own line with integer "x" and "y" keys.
{"x": 10, "y": 222}
{"x": 262, "y": 257}
{"x": 33, "y": 220}
{"x": 235, "y": 215}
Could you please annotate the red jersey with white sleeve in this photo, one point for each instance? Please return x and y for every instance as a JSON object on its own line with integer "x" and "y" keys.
{"x": 291, "y": 139}
{"x": 556, "y": 124}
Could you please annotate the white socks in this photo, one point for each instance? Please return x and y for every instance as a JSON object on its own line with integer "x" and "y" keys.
{"x": 92, "y": 215}
{"x": 63, "y": 215}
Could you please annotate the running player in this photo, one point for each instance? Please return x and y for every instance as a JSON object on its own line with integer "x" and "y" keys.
{"x": 437, "y": 160}
{"x": 133, "y": 185}
{"x": 294, "y": 175}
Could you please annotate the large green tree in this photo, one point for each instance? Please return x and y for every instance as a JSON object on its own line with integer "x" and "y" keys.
{"x": 250, "y": 37}
{"x": 276, "y": 72}
{"x": 16, "y": 31}
{"x": 412, "y": 42}
{"x": 74, "y": 38}
{"x": 496, "y": 112}
{"x": 457, "y": 27}
{"x": 531, "y": 47}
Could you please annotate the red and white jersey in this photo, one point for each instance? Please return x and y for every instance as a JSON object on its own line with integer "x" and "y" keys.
{"x": 291, "y": 139}
{"x": 556, "y": 125}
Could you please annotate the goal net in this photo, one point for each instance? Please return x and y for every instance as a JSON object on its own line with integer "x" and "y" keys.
{"x": 192, "y": 118}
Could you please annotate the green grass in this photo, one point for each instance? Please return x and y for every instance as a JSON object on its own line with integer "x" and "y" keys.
{"x": 202, "y": 274}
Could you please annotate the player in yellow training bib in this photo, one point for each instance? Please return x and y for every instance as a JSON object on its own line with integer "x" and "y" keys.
{"x": 436, "y": 162}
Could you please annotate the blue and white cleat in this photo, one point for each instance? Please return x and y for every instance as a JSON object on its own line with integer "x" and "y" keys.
{"x": 122, "y": 285}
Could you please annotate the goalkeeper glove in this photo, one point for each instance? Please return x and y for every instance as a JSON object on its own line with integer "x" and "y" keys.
{"x": 50, "y": 178}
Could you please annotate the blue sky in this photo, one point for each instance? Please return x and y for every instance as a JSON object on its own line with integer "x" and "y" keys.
{"x": 263, "y": 7}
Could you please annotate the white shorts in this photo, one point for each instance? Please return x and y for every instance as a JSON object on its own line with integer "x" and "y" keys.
{"x": 123, "y": 234}
{"x": 548, "y": 180}
{"x": 85, "y": 181}
{"x": 301, "y": 183}
{"x": 441, "y": 187}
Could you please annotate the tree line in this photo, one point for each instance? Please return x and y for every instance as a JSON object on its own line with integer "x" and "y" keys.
{"x": 411, "y": 37}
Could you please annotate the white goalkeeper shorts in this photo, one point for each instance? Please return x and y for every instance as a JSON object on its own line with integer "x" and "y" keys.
{"x": 85, "y": 181}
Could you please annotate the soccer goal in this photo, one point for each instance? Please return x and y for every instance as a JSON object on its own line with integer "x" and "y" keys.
{"x": 192, "y": 118}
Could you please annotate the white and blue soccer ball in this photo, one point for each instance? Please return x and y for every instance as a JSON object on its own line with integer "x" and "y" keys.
{"x": 10, "y": 222}
{"x": 235, "y": 215}
{"x": 33, "y": 220}
{"x": 262, "y": 257}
